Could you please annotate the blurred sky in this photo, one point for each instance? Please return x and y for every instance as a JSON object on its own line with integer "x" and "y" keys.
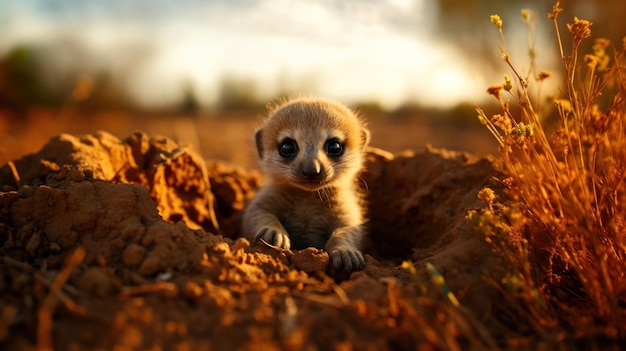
{"x": 353, "y": 50}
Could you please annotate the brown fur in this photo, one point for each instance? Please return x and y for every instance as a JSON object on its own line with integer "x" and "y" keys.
{"x": 311, "y": 196}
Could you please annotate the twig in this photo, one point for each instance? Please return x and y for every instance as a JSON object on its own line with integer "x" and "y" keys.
{"x": 394, "y": 309}
{"x": 288, "y": 319}
{"x": 46, "y": 311}
{"x": 166, "y": 158}
{"x": 278, "y": 249}
{"x": 63, "y": 297}
{"x": 212, "y": 203}
{"x": 439, "y": 281}
{"x": 324, "y": 300}
{"x": 16, "y": 175}
{"x": 42, "y": 279}
{"x": 336, "y": 288}
{"x": 17, "y": 264}
{"x": 159, "y": 287}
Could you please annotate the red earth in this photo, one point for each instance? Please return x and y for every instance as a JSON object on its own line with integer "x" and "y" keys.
{"x": 132, "y": 244}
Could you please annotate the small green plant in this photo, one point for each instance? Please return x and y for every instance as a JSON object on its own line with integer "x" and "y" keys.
{"x": 563, "y": 231}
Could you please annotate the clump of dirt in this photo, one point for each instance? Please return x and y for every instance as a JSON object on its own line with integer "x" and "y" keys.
{"x": 151, "y": 230}
{"x": 176, "y": 177}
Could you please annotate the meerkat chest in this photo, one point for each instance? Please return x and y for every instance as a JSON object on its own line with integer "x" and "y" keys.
{"x": 310, "y": 220}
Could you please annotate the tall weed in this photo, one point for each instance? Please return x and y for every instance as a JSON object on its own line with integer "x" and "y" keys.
{"x": 564, "y": 229}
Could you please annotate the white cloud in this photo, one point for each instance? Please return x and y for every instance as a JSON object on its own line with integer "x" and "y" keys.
{"x": 351, "y": 50}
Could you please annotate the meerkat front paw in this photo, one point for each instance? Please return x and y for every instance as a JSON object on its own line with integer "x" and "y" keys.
{"x": 346, "y": 259}
{"x": 274, "y": 236}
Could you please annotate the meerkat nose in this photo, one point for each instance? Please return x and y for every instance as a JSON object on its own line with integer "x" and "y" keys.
{"x": 312, "y": 170}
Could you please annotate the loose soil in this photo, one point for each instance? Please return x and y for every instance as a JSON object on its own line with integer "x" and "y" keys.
{"x": 132, "y": 244}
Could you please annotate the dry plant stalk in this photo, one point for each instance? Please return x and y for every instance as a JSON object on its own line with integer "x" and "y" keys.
{"x": 46, "y": 311}
{"x": 568, "y": 186}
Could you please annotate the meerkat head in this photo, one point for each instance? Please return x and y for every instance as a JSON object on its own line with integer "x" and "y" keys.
{"x": 311, "y": 143}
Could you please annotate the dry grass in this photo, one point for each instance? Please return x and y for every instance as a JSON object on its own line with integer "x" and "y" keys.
{"x": 561, "y": 228}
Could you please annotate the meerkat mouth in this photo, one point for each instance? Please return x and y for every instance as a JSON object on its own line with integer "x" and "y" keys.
{"x": 310, "y": 184}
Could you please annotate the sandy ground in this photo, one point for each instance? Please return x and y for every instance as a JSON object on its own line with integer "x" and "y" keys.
{"x": 131, "y": 244}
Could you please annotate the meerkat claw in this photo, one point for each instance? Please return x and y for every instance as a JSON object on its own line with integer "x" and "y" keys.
{"x": 347, "y": 260}
{"x": 274, "y": 237}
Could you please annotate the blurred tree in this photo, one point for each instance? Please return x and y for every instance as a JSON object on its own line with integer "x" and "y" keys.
{"x": 190, "y": 103}
{"x": 21, "y": 83}
{"x": 238, "y": 94}
{"x": 26, "y": 82}
{"x": 107, "y": 93}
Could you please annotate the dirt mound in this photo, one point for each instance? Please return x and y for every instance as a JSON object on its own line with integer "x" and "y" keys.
{"x": 176, "y": 177}
{"x": 135, "y": 240}
{"x": 417, "y": 207}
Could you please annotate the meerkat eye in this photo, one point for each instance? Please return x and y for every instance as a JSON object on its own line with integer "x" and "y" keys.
{"x": 288, "y": 148}
{"x": 334, "y": 148}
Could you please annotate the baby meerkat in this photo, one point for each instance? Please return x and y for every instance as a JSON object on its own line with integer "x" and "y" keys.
{"x": 311, "y": 151}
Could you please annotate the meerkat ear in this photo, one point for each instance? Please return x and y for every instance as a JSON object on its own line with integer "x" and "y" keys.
{"x": 365, "y": 138}
{"x": 259, "y": 142}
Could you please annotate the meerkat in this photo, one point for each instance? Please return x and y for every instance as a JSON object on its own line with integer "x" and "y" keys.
{"x": 311, "y": 151}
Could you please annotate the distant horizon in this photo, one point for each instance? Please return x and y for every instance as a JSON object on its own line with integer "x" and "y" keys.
{"x": 379, "y": 51}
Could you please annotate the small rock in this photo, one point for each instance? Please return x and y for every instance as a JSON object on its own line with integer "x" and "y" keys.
{"x": 310, "y": 260}
{"x": 96, "y": 281}
{"x": 55, "y": 248}
{"x": 133, "y": 255}
{"x": 33, "y": 244}
{"x": 152, "y": 264}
